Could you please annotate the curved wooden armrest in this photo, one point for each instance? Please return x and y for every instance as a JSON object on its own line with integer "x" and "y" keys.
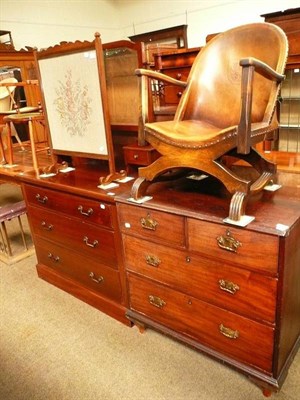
{"x": 262, "y": 68}
{"x": 159, "y": 76}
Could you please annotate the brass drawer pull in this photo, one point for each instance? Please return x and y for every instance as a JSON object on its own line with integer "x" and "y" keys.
{"x": 86, "y": 241}
{"x": 230, "y": 333}
{"x": 98, "y": 279}
{"x": 135, "y": 156}
{"x": 86, "y": 213}
{"x": 40, "y": 199}
{"x": 47, "y": 227}
{"x": 156, "y": 301}
{"x": 53, "y": 257}
{"x": 152, "y": 260}
{"x": 228, "y": 242}
{"x": 149, "y": 223}
{"x": 228, "y": 286}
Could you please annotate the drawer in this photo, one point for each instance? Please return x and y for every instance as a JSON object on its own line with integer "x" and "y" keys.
{"x": 236, "y": 289}
{"x": 253, "y": 250}
{"x": 76, "y": 206}
{"x": 181, "y": 74}
{"x": 151, "y": 224}
{"x": 139, "y": 155}
{"x": 92, "y": 241}
{"x": 172, "y": 94}
{"x": 85, "y": 270}
{"x": 230, "y": 334}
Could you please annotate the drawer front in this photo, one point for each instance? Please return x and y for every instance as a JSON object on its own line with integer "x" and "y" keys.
{"x": 85, "y": 270}
{"x": 138, "y": 157}
{"x": 80, "y": 207}
{"x": 235, "y": 289}
{"x": 151, "y": 224}
{"x": 254, "y": 250}
{"x": 232, "y": 335}
{"x": 181, "y": 74}
{"x": 88, "y": 239}
{"x": 172, "y": 94}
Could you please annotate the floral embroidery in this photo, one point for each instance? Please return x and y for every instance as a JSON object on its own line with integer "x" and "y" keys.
{"x": 73, "y": 105}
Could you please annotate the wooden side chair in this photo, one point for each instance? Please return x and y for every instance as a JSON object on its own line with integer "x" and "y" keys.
{"x": 7, "y": 91}
{"x": 32, "y": 116}
{"x": 227, "y": 107}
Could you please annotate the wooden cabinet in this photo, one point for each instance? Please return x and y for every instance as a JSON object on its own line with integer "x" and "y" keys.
{"x": 177, "y": 64}
{"x": 77, "y": 245}
{"x": 230, "y": 292}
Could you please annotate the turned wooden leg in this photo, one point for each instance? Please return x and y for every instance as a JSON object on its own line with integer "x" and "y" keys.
{"x": 141, "y": 327}
{"x": 267, "y": 392}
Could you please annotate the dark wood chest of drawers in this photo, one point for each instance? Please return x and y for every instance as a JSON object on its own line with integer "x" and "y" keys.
{"x": 231, "y": 292}
{"x": 77, "y": 244}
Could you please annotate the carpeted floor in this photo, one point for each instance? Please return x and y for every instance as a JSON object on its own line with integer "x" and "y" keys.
{"x": 55, "y": 347}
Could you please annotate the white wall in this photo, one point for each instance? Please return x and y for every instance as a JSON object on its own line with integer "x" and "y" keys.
{"x": 202, "y": 16}
{"x": 43, "y": 23}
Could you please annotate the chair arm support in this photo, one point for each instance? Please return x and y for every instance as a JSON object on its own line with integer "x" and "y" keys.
{"x": 262, "y": 68}
{"x": 159, "y": 76}
{"x": 249, "y": 67}
{"x": 146, "y": 76}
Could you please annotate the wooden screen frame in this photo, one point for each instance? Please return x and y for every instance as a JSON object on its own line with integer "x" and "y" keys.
{"x": 95, "y": 85}
{"x": 116, "y": 48}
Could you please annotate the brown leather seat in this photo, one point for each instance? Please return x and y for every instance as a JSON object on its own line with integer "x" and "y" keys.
{"x": 228, "y": 106}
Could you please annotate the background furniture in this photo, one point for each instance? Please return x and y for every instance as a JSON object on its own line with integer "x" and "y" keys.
{"x": 289, "y": 106}
{"x": 161, "y": 40}
{"x": 34, "y": 121}
{"x": 121, "y": 59}
{"x": 6, "y": 107}
{"x": 177, "y": 64}
{"x": 135, "y": 155}
{"x": 8, "y": 213}
{"x": 230, "y": 292}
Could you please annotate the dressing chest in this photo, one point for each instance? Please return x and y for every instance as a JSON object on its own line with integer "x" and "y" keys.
{"x": 77, "y": 240}
{"x": 231, "y": 292}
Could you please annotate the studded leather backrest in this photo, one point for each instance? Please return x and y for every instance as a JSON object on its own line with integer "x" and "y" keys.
{"x": 213, "y": 93}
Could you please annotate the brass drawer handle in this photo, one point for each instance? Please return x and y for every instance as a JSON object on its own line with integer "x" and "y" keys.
{"x": 47, "y": 227}
{"x": 230, "y": 333}
{"x": 156, "y": 301}
{"x": 86, "y": 213}
{"x": 149, "y": 223}
{"x": 228, "y": 242}
{"x": 135, "y": 156}
{"x": 40, "y": 199}
{"x": 228, "y": 286}
{"x": 152, "y": 260}
{"x": 96, "y": 279}
{"x": 93, "y": 244}
{"x": 53, "y": 257}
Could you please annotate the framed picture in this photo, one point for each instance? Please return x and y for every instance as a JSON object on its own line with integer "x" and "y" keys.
{"x": 72, "y": 78}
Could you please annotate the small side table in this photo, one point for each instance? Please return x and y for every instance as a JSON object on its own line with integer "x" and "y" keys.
{"x": 136, "y": 155}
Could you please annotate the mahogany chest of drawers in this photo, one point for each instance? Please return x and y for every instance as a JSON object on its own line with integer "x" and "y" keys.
{"x": 231, "y": 292}
{"x": 77, "y": 244}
